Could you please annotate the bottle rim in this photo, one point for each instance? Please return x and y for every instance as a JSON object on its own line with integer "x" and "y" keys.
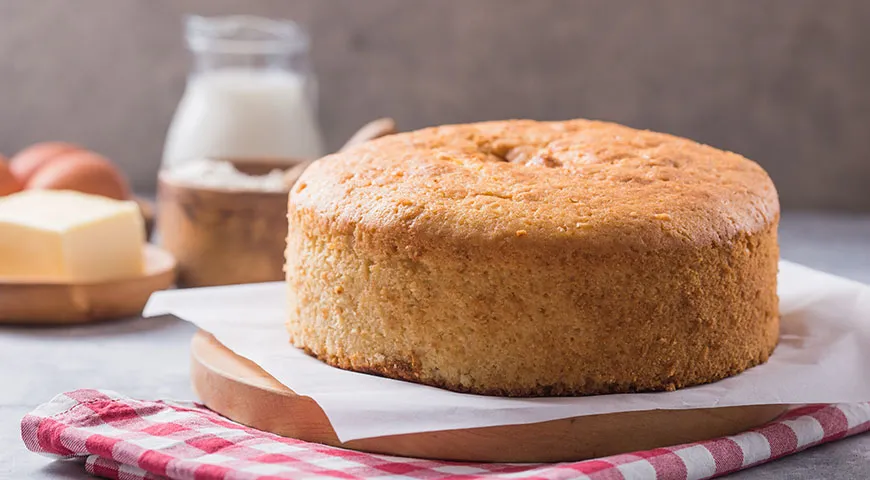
{"x": 244, "y": 34}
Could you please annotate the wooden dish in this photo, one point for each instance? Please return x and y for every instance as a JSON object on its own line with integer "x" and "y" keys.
{"x": 241, "y": 391}
{"x": 60, "y": 303}
{"x": 222, "y": 236}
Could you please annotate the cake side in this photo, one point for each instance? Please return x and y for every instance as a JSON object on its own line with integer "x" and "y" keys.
{"x": 527, "y": 324}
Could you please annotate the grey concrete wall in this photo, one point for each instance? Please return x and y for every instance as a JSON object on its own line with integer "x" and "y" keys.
{"x": 785, "y": 82}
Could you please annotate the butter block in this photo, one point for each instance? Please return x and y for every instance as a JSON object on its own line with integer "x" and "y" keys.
{"x": 69, "y": 237}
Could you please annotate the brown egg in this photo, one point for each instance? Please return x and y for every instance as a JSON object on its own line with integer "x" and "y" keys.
{"x": 82, "y": 171}
{"x": 8, "y": 182}
{"x": 28, "y": 161}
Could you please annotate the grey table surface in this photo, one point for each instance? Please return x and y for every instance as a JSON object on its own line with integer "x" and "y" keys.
{"x": 148, "y": 358}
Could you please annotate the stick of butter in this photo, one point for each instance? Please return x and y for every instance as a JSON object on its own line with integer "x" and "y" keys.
{"x": 69, "y": 237}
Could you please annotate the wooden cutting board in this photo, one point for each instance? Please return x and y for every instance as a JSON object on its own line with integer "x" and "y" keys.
{"x": 61, "y": 303}
{"x": 241, "y": 391}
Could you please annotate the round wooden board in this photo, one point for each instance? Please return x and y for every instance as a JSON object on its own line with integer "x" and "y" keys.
{"x": 46, "y": 303}
{"x": 241, "y": 391}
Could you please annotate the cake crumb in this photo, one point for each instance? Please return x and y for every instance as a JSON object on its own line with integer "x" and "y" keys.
{"x": 522, "y": 233}
{"x": 662, "y": 216}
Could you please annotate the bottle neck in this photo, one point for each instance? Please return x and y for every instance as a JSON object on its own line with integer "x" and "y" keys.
{"x": 244, "y": 42}
{"x": 205, "y": 61}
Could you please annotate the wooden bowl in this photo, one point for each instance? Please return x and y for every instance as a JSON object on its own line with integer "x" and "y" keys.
{"x": 222, "y": 236}
{"x": 226, "y": 236}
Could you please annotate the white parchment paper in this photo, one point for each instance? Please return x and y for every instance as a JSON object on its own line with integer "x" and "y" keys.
{"x": 823, "y": 357}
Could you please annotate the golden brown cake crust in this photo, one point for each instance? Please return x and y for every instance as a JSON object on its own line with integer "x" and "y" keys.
{"x": 535, "y": 258}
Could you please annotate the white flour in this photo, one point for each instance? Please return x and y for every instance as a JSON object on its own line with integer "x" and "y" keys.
{"x": 221, "y": 174}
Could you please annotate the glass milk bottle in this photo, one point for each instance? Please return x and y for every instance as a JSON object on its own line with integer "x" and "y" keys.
{"x": 250, "y": 98}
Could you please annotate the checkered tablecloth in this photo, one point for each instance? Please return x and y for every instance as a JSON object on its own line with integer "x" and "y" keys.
{"x": 123, "y": 438}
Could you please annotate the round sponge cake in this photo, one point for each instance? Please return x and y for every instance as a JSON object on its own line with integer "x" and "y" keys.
{"x": 528, "y": 258}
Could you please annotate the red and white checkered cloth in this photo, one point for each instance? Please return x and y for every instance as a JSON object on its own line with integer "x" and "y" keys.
{"x": 132, "y": 439}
